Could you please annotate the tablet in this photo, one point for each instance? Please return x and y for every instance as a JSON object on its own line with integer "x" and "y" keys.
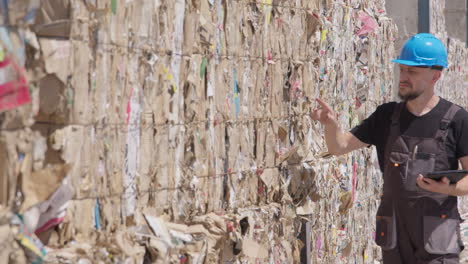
{"x": 453, "y": 175}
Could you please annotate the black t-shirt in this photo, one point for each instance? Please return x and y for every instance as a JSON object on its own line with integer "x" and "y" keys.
{"x": 375, "y": 129}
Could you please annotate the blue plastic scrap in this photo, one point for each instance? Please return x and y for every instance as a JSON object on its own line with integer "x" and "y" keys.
{"x": 97, "y": 217}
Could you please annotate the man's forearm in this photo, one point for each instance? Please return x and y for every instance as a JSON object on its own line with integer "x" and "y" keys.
{"x": 460, "y": 188}
{"x": 334, "y": 139}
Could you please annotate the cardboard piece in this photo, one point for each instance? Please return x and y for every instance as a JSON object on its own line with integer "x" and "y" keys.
{"x": 39, "y": 185}
{"x": 159, "y": 228}
{"x": 52, "y": 101}
{"x": 271, "y": 178}
{"x": 56, "y": 55}
{"x": 53, "y": 19}
{"x": 254, "y": 249}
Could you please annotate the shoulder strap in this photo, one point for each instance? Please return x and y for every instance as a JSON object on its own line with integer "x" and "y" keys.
{"x": 397, "y": 112}
{"x": 445, "y": 122}
{"x": 394, "y": 131}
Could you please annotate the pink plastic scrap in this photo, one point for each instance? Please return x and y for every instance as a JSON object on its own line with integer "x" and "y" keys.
{"x": 14, "y": 90}
{"x": 369, "y": 23}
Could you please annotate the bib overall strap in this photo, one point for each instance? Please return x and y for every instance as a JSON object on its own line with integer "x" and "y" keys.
{"x": 394, "y": 131}
{"x": 442, "y": 132}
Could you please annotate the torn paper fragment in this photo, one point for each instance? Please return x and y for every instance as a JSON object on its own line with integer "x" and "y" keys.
{"x": 126, "y": 244}
{"x": 253, "y": 249}
{"x": 306, "y": 209}
{"x": 287, "y": 154}
{"x": 41, "y": 184}
{"x": 56, "y": 57}
{"x": 270, "y": 178}
{"x": 132, "y": 146}
{"x": 53, "y": 19}
{"x": 186, "y": 238}
{"x": 159, "y": 228}
{"x": 52, "y": 211}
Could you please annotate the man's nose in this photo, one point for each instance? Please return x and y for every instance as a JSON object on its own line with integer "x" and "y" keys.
{"x": 403, "y": 76}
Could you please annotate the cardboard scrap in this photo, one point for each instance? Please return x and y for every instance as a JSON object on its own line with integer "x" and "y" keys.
{"x": 39, "y": 185}
{"x": 53, "y": 19}
{"x": 271, "y": 178}
{"x": 125, "y": 243}
{"x": 346, "y": 202}
{"x": 301, "y": 182}
{"x": 287, "y": 155}
{"x": 52, "y": 99}
{"x": 56, "y": 55}
{"x": 160, "y": 229}
{"x": 206, "y": 233}
{"x": 306, "y": 209}
{"x": 253, "y": 249}
{"x": 44, "y": 215}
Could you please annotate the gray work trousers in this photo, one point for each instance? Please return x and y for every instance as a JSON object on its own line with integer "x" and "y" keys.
{"x": 410, "y": 247}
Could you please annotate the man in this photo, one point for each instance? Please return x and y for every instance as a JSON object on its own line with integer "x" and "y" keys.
{"x": 418, "y": 219}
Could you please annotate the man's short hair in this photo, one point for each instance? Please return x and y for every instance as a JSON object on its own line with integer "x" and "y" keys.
{"x": 433, "y": 67}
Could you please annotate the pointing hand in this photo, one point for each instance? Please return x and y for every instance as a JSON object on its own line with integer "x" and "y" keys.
{"x": 324, "y": 114}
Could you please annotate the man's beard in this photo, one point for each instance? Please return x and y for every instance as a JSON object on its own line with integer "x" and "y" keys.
{"x": 409, "y": 96}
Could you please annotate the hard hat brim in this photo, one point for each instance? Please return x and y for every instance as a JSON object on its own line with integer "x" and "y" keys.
{"x": 409, "y": 63}
{"x": 412, "y": 63}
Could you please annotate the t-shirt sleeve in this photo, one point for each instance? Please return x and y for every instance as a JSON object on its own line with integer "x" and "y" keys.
{"x": 369, "y": 130}
{"x": 461, "y": 134}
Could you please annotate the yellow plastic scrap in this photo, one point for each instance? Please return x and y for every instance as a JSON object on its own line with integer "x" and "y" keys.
{"x": 324, "y": 35}
{"x": 267, "y": 7}
{"x": 170, "y": 78}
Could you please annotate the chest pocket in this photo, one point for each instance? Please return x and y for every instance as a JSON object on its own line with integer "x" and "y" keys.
{"x": 407, "y": 166}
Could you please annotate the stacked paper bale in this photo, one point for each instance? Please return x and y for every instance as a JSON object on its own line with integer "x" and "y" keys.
{"x": 178, "y": 131}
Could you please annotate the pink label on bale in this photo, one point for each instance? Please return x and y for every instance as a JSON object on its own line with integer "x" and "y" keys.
{"x": 13, "y": 91}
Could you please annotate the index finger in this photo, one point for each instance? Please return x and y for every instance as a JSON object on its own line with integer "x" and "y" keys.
{"x": 323, "y": 104}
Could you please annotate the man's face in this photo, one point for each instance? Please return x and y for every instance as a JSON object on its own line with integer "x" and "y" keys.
{"x": 414, "y": 81}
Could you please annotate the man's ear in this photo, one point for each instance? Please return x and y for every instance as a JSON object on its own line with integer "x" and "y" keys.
{"x": 436, "y": 76}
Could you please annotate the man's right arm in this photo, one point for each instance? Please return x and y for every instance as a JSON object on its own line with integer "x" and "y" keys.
{"x": 338, "y": 142}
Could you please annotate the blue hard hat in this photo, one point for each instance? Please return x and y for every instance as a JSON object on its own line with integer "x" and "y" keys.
{"x": 423, "y": 49}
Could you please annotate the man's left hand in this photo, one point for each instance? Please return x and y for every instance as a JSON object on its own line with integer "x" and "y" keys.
{"x": 442, "y": 186}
